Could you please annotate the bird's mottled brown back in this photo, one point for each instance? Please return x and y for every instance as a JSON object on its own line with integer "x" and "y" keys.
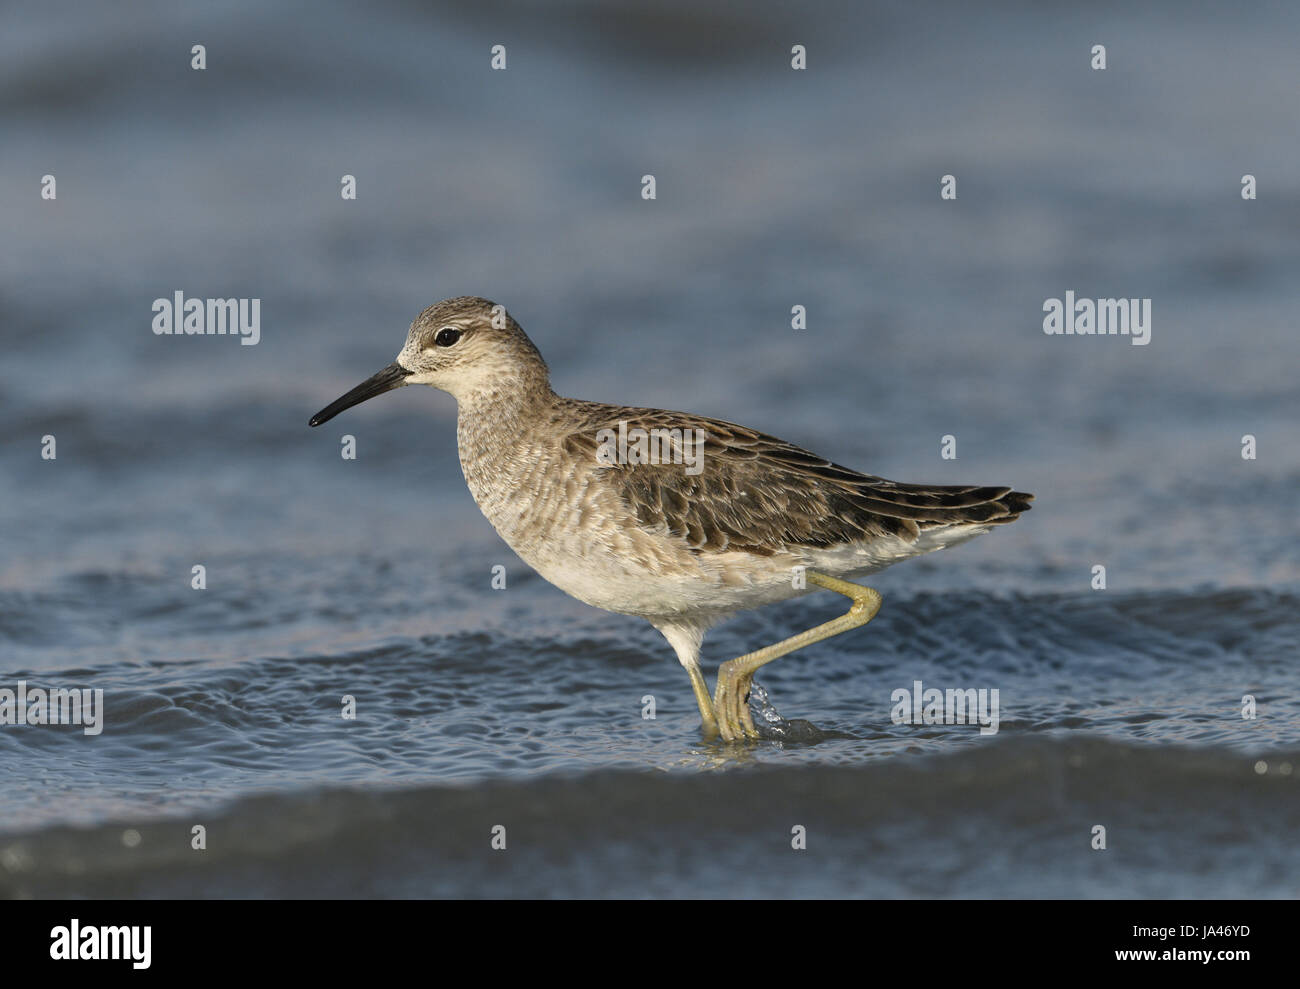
{"x": 757, "y": 494}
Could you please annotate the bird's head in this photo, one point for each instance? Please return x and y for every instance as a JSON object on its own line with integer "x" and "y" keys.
{"x": 469, "y": 347}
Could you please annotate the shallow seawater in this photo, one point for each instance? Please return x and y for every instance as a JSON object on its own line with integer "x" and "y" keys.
{"x": 521, "y": 708}
{"x": 1122, "y": 711}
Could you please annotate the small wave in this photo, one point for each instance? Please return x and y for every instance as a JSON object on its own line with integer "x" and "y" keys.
{"x": 1011, "y": 819}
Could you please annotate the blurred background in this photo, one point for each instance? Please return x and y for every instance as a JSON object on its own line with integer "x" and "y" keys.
{"x": 775, "y": 188}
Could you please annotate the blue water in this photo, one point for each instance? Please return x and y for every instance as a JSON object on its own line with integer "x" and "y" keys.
{"x": 521, "y": 707}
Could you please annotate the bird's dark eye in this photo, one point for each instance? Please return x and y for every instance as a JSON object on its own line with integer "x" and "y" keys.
{"x": 447, "y": 336}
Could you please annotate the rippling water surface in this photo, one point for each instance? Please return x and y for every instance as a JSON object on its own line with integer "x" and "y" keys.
{"x": 523, "y": 708}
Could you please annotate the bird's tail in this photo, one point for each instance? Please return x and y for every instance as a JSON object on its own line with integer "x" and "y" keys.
{"x": 931, "y": 505}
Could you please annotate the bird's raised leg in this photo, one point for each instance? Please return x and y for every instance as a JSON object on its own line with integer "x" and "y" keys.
{"x": 731, "y": 700}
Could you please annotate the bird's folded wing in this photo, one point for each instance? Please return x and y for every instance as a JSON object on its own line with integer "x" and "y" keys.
{"x": 752, "y": 492}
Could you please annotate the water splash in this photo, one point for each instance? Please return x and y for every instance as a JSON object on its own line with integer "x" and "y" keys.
{"x": 770, "y": 724}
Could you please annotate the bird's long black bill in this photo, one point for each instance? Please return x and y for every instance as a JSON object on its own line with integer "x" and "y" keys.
{"x": 393, "y": 376}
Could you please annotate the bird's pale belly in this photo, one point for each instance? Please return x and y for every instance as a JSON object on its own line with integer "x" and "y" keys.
{"x": 641, "y": 575}
{"x": 655, "y": 576}
{"x": 584, "y": 547}
{"x": 605, "y": 579}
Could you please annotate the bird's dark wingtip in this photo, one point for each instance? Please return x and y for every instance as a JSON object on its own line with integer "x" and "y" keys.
{"x": 1015, "y": 503}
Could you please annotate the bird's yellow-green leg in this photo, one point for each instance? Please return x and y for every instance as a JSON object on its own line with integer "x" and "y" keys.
{"x": 731, "y": 700}
{"x": 708, "y": 722}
